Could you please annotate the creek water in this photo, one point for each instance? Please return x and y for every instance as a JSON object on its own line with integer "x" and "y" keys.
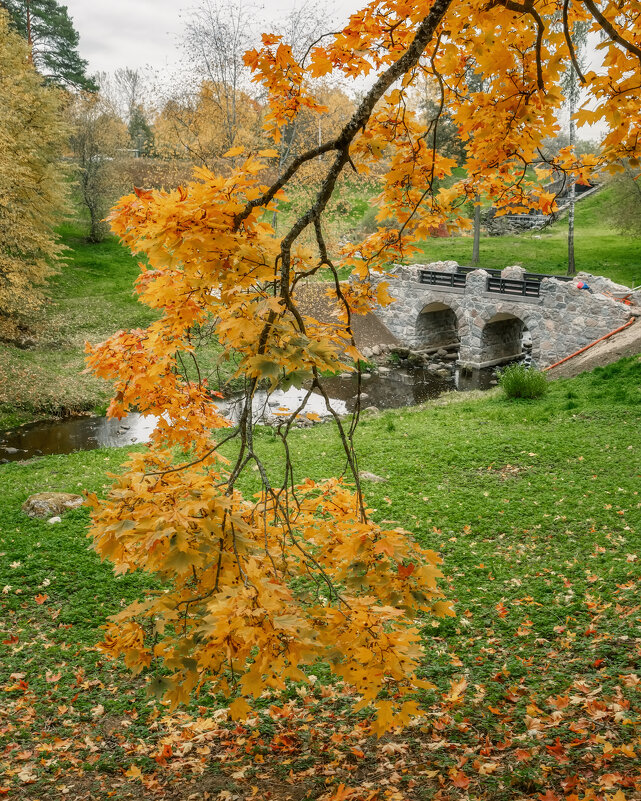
{"x": 387, "y": 389}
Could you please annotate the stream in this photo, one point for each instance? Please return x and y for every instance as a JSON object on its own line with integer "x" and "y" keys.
{"x": 390, "y": 388}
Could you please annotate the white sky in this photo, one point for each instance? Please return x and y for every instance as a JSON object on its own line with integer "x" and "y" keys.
{"x": 145, "y": 33}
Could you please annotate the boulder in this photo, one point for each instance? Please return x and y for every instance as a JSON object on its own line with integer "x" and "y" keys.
{"x": 51, "y": 504}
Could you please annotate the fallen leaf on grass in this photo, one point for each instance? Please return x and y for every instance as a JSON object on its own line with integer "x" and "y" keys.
{"x": 461, "y": 780}
{"x": 133, "y": 772}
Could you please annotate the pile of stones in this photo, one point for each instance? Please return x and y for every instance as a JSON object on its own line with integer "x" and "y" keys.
{"x": 440, "y": 362}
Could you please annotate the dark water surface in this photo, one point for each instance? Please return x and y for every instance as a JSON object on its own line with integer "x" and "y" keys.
{"x": 386, "y": 390}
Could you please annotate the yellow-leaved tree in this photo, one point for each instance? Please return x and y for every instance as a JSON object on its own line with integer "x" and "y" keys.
{"x": 32, "y": 188}
{"x": 255, "y": 588}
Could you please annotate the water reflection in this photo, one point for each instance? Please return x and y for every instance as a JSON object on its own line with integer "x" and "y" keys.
{"x": 389, "y": 389}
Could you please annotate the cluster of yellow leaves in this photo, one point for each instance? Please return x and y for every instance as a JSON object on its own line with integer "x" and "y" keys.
{"x": 230, "y": 614}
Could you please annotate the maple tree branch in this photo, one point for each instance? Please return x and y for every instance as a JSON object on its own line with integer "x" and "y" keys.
{"x": 162, "y": 473}
{"x": 528, "y": 8}
{"x": 570, "y": 43}
{"x": 609, "y": 28}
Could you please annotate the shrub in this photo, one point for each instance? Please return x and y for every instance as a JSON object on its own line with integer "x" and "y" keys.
{"x": 519, "y": 381}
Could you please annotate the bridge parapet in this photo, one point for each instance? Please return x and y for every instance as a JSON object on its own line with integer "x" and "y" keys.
{"x": 489, "y": 311}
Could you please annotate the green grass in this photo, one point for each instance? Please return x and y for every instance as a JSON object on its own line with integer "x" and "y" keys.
{"x": 534, "y": 506}
{"x": 91, "y": 298}
{"x": 598, "y": 249}
{"x": 519, "y": 381}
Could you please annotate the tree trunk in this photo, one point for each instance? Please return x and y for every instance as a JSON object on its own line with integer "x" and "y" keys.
{"x": 29, "y": 36}
{"x": 572, "y": 196}
{"x": 477, "y": 233}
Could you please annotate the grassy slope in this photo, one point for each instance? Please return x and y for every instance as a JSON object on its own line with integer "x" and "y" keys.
{"x": 598, "y": 249}
{"x": 89, "y": 300}
{"x": 535, "y": 508}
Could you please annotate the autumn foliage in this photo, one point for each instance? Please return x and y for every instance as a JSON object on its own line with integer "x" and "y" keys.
{"x": 255, "y": 587}
{"x": 32, "y": 189}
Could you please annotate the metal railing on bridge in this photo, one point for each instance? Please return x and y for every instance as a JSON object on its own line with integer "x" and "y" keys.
{"x": 528, "y": 288}
{"x": 442, "y": 279}
{"x": 541, "y": 276}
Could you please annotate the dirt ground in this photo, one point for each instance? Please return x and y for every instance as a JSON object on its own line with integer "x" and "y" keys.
{"x": 368, "y": 330}
{"x": 625, "y": 343}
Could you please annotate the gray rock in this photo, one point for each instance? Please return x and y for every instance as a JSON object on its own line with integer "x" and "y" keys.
{"x": 51, "y": 504}
{"x": 55, "y": 519}
{"x": 370, "y": 410}
{"x": 10, "y": 450}
{"x": 365, "y": 476}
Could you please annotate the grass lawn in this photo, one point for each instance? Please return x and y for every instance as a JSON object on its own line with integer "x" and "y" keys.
{"x": 536, "y": 510}
{"x": 598, "y": 249}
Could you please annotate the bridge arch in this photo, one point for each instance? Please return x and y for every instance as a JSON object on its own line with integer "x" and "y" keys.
{"x": 504, "y": 335}
{"x": 437, "y": 325}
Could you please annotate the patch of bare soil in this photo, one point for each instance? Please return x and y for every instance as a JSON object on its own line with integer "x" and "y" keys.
{"x": 314, "y": 302}
{"x": 625, "y": 343}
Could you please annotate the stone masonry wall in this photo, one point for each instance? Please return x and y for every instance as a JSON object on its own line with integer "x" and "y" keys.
{"x": 561, "y": 320}
{"x": 438, "y": 327}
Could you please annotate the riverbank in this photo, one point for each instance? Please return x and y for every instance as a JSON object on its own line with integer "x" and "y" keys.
{"x": 534, "y": 506}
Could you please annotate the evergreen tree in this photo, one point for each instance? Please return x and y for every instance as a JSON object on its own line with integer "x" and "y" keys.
{"x": 141, "y": 137}
{"x": 48, "y": 28}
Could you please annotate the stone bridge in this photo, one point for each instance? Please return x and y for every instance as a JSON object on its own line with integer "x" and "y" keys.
{"x": 487, "y": 314}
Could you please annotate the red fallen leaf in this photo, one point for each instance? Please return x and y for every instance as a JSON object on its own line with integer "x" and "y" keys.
{"x": 405, "y": 572}
{"x": 557, "y": 750}
{"x": 461, "y": 780}
{"x": 523, "y": 754}
{"x": 40, "y": 598}
{"x": 548, "y": 796}
{"x": 570, "y": 783}
{"x": 501, "y": 609}
{"x": 164, "y": 755}
{"x": 357, "y": 752}
{"x": 598, "y": 662}
{"x": 12, "y": 640}
{"x": 4, "y": 791}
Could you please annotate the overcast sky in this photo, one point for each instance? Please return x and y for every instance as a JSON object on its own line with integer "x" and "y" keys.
{"x": 145, "y": 33}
